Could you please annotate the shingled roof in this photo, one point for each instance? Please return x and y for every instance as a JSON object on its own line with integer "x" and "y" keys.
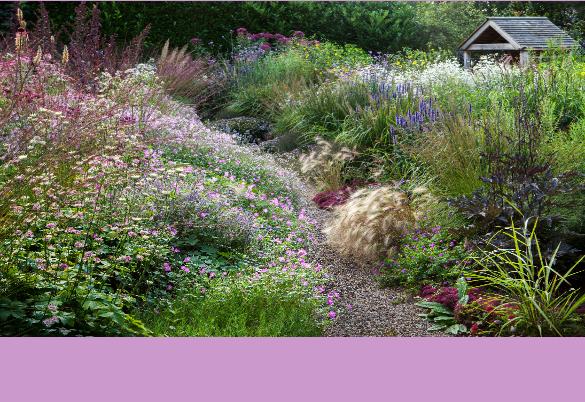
{"x": 516, "y": 33}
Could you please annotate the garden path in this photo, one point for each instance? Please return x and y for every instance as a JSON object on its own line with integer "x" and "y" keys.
{"x": 366, "y": 309}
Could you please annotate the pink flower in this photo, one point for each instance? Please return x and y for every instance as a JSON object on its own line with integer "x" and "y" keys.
{"x": 184, "y": 268}
{"x": 332, "y": 314}
{"x": 167, "y": 267}
{"x": 50, "y": 321}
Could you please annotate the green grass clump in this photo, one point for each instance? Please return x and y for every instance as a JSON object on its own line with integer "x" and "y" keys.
{"x": 543, "y": 299}
{"x": 270, "y": 305}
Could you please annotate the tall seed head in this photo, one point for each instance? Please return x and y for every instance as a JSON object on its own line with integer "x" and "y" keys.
{"x": 65, "y": 56}
{"x": 19, "y": 17}
{"x": 38, "y": 56}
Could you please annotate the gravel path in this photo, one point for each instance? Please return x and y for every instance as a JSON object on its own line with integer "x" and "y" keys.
{"x": 374, "y": 311}
{"x": 366, "y": 309}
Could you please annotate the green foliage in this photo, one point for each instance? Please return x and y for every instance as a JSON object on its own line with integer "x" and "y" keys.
{"x": 451, "y": 152}
{"x": 150, "y": 202}
{"x": 544, "y": 298}
{"x": 425, "y": 257}
{"x": 378, "y": 26}
{"x": 327, "y": 55}
{"x": 261, "y": 88}
{"x": 264, "y": 87}
{"x": 271, "y": 305}
{"x": 447, "y": 24}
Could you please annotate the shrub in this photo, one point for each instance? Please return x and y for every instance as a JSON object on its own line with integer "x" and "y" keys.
{"x": 467, "y": 310}
{"x": 426, "y": 256}
{"x": 261, "y": 87}
{"x": 332, "y": 198}
{"x": 443, "y": 306}
{"x": 114, "y": 197}
{"x": 521, "y": 183}
{"x": 321, "y": 111}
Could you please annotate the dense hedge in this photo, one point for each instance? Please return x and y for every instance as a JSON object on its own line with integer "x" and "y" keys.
{"x": 378, "y": 26}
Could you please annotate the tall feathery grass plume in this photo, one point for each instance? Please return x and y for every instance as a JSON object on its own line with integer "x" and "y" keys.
{"x": 324, "y": 165}
{"x": 200, "y": 81}
{"x": 371, "y": 221}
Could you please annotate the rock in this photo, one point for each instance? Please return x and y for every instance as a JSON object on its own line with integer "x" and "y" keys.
{"x": 248, "y": 129}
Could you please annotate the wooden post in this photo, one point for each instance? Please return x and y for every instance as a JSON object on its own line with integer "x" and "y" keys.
{"x": 524, "y": 58}
{"x": 466, "y": 59}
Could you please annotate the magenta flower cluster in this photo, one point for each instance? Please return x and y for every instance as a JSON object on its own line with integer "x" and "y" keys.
{"x": 271, "y": 40}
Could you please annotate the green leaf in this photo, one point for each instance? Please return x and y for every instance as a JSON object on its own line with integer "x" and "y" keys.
{"x": 437, "y": 308}
{"x": 106, "y": 314}
{"x": 437, "y": 327}
{"x": 428, "y": 304}
{"x": 456, "y": 329}
{"x": 461, "y": 286}
{"x": 444, "y": 318}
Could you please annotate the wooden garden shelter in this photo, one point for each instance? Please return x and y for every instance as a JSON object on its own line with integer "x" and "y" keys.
{"x": 515, "y": 36}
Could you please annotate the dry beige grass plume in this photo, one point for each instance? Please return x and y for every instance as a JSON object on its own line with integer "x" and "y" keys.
{"x": 324, "y": 165}
{"x": 371, "y": 223}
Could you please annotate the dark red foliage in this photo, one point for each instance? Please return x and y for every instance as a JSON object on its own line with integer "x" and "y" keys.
{"x": 90, "y": 53}
{"x": 329, "y": 199}
{"x": 428, "y": 291}
{"x": 474, "y": 294}
{"x": 448, "y": 295}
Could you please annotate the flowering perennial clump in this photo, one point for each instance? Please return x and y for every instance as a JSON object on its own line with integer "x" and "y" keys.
{"x": 116, "y": 197}
{"x": 426, "y": 256}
